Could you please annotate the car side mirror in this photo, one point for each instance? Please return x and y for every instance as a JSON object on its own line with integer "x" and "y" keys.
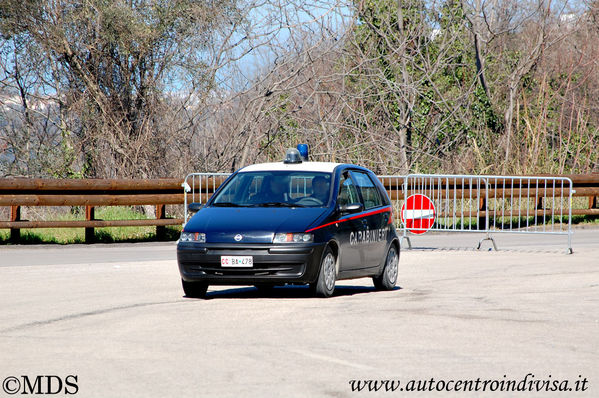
{"x": 351, "y": 208}
{"x": 194, "y": 207}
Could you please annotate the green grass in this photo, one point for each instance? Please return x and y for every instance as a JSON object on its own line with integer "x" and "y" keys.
{"x": 102, "y": 235}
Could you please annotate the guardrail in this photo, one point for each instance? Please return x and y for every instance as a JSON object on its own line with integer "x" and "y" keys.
{"x": 198, "y": 187}
{"x": 18, "y": 192}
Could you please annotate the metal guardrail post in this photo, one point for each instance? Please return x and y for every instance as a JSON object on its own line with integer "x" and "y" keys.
{"x": 90, "y": 215}
{"x": 160, "y": 215}
{"x": 15, "y": 215}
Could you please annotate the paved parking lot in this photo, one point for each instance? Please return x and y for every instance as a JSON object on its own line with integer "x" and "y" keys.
{"x": 115, "y": 316}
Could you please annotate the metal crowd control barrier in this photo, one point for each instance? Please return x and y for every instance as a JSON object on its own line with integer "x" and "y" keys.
{"x": 495, "y": 204}
{"x": 463, "y": 203}
{"x": 200, "y": 186}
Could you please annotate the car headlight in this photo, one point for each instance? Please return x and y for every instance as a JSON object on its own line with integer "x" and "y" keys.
{"x": 293, "y": 238}
{"x": 193, "y": 237}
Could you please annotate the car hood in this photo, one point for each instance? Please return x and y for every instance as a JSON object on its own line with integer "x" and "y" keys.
{"x": 254, "y": 224}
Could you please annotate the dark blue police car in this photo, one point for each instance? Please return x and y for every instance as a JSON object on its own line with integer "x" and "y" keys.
{"x": 294, "y": 222}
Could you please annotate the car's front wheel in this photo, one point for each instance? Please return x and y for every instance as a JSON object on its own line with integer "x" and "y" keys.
{"x": 325, "y": 284}
{"x": 195, "y": 289}
{"x": 388, "y": 278}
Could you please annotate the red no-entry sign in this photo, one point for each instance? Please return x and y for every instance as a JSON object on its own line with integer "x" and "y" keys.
{"x": 418, "y": 213}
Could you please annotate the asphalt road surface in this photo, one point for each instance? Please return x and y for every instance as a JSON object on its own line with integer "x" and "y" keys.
{"x": 115, "y": 317}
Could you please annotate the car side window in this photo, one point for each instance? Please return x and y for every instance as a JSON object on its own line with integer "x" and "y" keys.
{"x": 347, "y": 191}
{"x": 370, "y": 193}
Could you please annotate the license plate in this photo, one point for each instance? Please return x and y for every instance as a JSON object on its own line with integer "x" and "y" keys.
{"x": 237, "y": 261}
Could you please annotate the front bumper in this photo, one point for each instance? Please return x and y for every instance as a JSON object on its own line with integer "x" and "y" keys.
{"x": 277, "y": 264}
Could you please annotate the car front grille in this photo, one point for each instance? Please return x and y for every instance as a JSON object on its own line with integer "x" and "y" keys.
{"x": 259, "y": 269}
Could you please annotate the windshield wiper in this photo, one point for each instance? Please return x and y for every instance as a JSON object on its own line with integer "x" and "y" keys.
{"x": 226, "y": 204}
{"x": 277, "y": 204}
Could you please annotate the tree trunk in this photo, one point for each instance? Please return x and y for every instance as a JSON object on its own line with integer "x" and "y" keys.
{"x": 509, "y": 117}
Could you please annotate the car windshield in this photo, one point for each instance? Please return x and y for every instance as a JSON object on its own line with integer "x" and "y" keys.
{"x": 275, "y": 189}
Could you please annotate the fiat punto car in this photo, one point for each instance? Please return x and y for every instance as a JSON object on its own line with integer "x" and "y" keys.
{"x": 294, "y": 222}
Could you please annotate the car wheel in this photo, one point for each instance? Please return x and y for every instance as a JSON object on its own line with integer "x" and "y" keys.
{"x": 325, "y": 284}
{"x": 195, "y": 289}
{"x": 388, "y": 278}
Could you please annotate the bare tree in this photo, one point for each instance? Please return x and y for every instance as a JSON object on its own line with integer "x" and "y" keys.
{"x": 143, "y": 89}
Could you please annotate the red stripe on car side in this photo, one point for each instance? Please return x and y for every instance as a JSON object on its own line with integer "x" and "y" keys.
{"x": 326, "y": 225}
{"x": 383, "y": 210}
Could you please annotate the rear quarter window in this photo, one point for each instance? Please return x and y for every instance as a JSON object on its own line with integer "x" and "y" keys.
{"x": 370, "y": 193}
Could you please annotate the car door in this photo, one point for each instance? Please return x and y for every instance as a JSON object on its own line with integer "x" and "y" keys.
{"x": 375, "y": 218}
{"x": 351, "y": 254}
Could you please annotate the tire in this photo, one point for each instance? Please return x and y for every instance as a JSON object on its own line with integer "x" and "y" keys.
{"x": 325, "y": 284}
{"x": 388, "y": 278}
{"x": 195, "y": 289}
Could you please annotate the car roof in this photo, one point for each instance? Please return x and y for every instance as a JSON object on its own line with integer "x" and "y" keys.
{"x": 326, "y": 167}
